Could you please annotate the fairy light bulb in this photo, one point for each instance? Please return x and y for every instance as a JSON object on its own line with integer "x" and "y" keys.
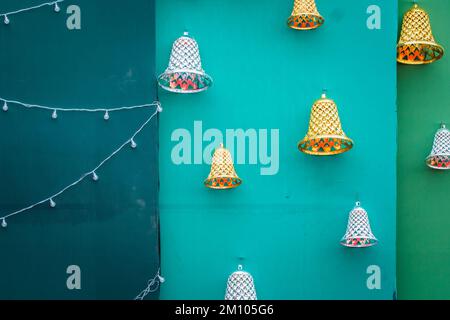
{"x": 106, "y": 116}
{"x": 4, "y": 224}
{"x": 54, "y": 115}
{"x": 5, "y": 107}
{"x": 133, "y": 144}
{"x": 159, "y": 108}
{"x": 6, "y": 20}
{"x": 161, "y": 279}
{"x": 52, "y": 203}
{"x": 57, "y": 8}
{"x": 94, "y": 176}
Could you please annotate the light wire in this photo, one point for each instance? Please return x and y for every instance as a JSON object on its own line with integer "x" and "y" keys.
{"x": 36, "y": 106}
{"x": 152, "y": 286}
{"x": 91, "y": 172}
{"x": 31, "y": 8}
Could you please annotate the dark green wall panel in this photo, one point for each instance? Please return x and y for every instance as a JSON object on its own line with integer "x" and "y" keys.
{"x": 423, "y": 215}
{"x": 108, "y": 228}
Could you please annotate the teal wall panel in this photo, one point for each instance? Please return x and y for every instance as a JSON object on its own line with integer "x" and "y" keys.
{"x": 108, "y": 228}
{"x": 423, "y": 216}
{"x": 284, "y": 228}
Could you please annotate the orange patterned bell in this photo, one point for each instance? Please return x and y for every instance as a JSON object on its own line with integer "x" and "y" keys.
{"x": 417, "y": 44}
{"x": 305, "y": 16}
{"x": 325, "y": 135}
{"x": 222, "y": 175}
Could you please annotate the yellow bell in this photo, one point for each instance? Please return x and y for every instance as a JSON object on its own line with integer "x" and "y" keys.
{"x": 417, "y": 44}
{"x": 325, "y": 135}
{"x": 222, "y": 175}
{"x": 305, "y": 16}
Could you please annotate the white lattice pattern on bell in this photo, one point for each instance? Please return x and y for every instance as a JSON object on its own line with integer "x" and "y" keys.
{"x": 184, "y": 73}
{"x": 359, "y": 232}
{"x": 439, "y": 157}
{"x": 441, "y": 145}
{"x": 185, "y": 55}
{"x": 240, "y": 286}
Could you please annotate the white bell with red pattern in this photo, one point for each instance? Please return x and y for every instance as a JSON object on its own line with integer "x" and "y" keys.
{"x": 358, "y": 234}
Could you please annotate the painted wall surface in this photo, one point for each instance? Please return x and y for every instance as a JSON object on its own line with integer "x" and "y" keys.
{"x": 423, "y": 217}
{"x": 284, "y": 228}
{"x": 109, "y": 227}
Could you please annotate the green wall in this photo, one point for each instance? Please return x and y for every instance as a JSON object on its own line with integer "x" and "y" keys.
{"x": 423, "y": 217}
{"x": 284, "y": 228}
{"x": 108, "y": 228}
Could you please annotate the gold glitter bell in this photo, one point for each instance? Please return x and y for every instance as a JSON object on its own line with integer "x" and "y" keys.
{"x": 222, "y": 175}
{"x": 325, "y": 135}
{"x": 417, "y": 44}
{"x": 305, "y": 16}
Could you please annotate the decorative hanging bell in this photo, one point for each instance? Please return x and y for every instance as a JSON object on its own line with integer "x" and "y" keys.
{"x": 358, "y": 234}
{"x": 417, "y": 44}
{"x": 185, "y": 73}
{"x": 240, "y": 286}
{"x": 305, "y": 16}
{"x": 222, "y": 175}
{"x": 439, "y": 157}
{"x": 325, "y": 135}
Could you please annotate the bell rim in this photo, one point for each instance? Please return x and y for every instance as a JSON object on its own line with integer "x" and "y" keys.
{"x": 331, "y": 153}
{"x": 371, "y": 244}
{"x": 321, "y": 19}
{"x": 210, "y": 186}
{"x": 435, "y": 45}
{"x": 166, "y": 73}
{"x": 427, "y": 161}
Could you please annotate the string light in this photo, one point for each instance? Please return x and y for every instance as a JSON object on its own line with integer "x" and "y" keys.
{"x": 54, "y": 114}
{"x": 5, "y": 107}
{"x": 152, "y": 286}
{"x": 133, "y": 144}
{"x": 4, "y": 224}
{"x": 106, "y": 111}
{"x": 53, "y": 3}
{"x": 94, "y": 176}
{"x": 92, "y": 172}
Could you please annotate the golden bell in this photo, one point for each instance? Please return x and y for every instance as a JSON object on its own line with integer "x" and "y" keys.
{"x": 417, "y": 44}
{"x": 305, "y": 16}
{"x": 325, "y": 135}
{"x": 222, "y": 175}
